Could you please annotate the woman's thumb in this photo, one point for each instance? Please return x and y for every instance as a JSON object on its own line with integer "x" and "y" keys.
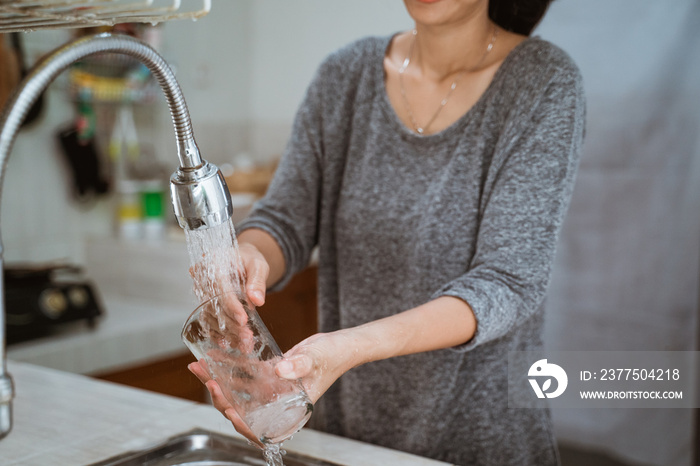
{"x": 295, "y": 367}
{"x": 255, "y": 286}
{"x": 256, "y": 292}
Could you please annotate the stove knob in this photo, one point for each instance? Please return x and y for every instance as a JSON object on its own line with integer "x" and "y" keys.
{"x": 78, "y": 296}
{"x": 53, "y": 303}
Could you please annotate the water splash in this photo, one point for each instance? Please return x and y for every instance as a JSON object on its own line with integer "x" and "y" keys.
{"x": 278, "y": 420}
{"x": 273, "y": 454}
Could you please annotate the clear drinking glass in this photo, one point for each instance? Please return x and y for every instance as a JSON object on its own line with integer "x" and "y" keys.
{"x": 227, "y": 335}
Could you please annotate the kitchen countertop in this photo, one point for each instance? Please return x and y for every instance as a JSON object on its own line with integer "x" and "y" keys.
{"x": 132, "y": 331}
{"x": 70, "y": 419}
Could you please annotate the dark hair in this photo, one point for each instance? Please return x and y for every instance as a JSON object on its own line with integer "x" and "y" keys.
{"x": 519, "y": 16}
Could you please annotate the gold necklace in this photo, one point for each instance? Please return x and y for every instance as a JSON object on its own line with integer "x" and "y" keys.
{"x": 422, "y": 129}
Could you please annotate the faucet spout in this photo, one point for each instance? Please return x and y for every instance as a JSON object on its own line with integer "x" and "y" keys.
{"x": 200, "y": 196}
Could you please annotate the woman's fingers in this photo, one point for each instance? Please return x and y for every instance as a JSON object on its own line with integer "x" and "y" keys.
{"x": 199, "y": 369}
{"x": 233, "y": 310}
{"x": 254, "y": 274}
{"x": 241, "y": 427}
{"x": 317, "y": 362}
{"x": 217, "y": 396}
{"x": 222, "y": 404}
{"x": 295, "y": 367}
{"x": 255, "y": 285}
{"x": 256, "y": 270}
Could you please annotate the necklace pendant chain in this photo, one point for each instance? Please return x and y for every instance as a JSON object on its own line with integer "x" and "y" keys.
{"x": 422, "y": 129}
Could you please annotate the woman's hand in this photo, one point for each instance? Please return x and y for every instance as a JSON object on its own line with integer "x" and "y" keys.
{"x": 319, "y": 361}
{"x": 255, "y": 272}
{"x": 262, "y": 261}
{"x": 252, "y": 269}
{"x": 220, "y": 402}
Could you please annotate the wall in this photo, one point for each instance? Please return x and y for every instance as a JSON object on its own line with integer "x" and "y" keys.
{"x": 309, "y": 30}
{"x": 626, "y": 274}
{"x": 212, "y": 59}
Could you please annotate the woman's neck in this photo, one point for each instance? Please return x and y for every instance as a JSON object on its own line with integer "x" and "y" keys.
{"x": 440, "y": 51}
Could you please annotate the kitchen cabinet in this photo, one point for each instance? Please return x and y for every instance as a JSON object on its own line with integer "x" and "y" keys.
{"x": 168, "y": 376}
{"x": 290, "y": 315}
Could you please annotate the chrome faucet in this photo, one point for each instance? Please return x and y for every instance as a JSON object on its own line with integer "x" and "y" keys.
{"x": 199, "y": 193}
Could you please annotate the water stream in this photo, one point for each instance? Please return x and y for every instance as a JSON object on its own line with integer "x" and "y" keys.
{"x": 215, "y": 267}
{"x": 273, "y": 454}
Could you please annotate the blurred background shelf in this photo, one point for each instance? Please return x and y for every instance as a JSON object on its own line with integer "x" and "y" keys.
{"x": 30, "y": 15}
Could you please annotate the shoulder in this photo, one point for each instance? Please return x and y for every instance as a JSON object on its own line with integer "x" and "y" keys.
{"x": 360, "y": 53}
{"x": 348, "y": 77}
{"x": 537, "y": 76}
{"x": 542, "y": 63}
{"x": 344, "y": 67}
{"x": 539, "y": 86}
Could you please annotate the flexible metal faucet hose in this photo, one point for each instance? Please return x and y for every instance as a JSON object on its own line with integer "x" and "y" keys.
{"x": 200, "y": 196}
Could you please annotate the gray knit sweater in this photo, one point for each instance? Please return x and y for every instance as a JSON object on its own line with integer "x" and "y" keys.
{"x": 472, "y": 212}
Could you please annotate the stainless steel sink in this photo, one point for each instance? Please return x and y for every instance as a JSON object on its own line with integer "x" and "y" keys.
{"x": 203, "y": 448}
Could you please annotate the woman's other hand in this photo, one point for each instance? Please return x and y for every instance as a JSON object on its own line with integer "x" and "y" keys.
{"x": 318, "y": 361}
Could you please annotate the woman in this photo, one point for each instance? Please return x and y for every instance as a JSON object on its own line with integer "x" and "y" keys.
{"x": 433, "y": 170}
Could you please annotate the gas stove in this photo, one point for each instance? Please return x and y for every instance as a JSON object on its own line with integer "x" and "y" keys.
{"x": 42, "y": 299}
